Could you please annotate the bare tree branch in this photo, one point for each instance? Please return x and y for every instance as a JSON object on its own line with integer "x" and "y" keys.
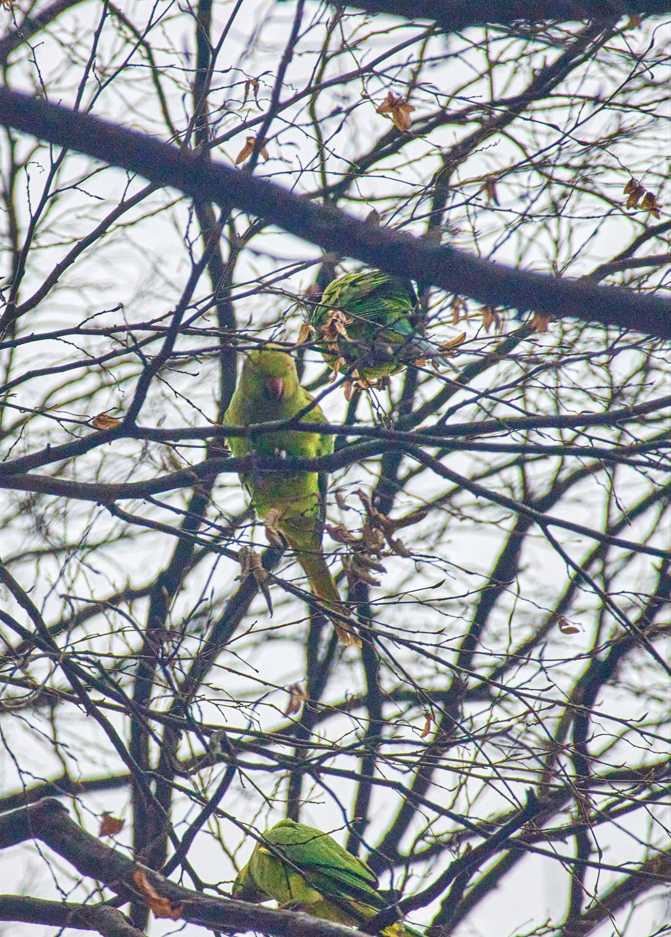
{"x": 455, "y": 15}
{"x": 330, "y": 229}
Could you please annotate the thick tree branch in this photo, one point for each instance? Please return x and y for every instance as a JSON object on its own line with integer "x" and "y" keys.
{"x": 102, "y": 918}
{"x": 333, "y": 230}
{"x": 454, "y": 15}
{"x": 49, "y": 822}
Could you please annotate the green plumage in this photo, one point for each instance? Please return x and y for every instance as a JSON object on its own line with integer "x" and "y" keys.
{"x": 306, "y": 870}
{"x": 377, "y": 316}
{"x": 291, "y": 504}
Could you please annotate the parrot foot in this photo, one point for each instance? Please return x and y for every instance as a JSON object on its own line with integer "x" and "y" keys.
{"x": 273, "y": 532}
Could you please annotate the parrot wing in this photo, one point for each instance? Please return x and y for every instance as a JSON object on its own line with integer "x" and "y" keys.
{"x": 328, "y": 867}
{"x": 374, "y": 297}
{"x": 368, "y": 319}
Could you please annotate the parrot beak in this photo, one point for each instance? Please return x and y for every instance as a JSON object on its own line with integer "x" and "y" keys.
{"x": 274, "y": 387}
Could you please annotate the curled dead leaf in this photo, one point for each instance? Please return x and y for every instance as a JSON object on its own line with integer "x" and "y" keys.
{"x": 248, "y": 149}
{"x": 340, "y": 534}
{"x": 458, "y": 307}
{"x": 305, "y": 332}
{"x": 491, "y": 317}
{"x": 566, "y": 627}
{"x": 336, "y": 326}
{"x": 162, "y": 907}
{"x": 428, "y": 722}
{"x": 109, "y": 825}
{"x": 103, "y": 421}
{"x": 650, "y": 204}
{"x": 358, "y": 568}
{"x": 449, "y": 349}
{"x": 379, "y": 527}
{"x": 635, "y": 191}
{"x": 399, "y": 110}
{"x": 340, "y": 501}
{"x": 252, "y": 84}
{"x": 539, "y": 323}
{"x": 297, "y": 696}
{"x": 490, "y": 189}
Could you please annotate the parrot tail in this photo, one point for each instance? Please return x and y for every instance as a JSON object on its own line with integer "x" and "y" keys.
{"x": 323, "y": 587}
{"x": 425, "y": 349}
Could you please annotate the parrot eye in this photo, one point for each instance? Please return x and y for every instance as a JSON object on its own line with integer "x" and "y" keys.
{"x": 274, "y": 387}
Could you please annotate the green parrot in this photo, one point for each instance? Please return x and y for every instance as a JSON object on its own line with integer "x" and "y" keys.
{"x": 291, "y": 505}
{"x": 366, "y": 320}
{"x": 304, "y": 869}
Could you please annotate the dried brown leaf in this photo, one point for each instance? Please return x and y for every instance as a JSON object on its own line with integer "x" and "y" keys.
{"x": 539, "y": 323}
{"x": 109, "y": 825}
{"x": 305, "y": 332}
{"x": 102, "y": 421}
{"x": 340, "y": 501}
{"x": 566, "y": 627}
{"x": 162, "y": 907}
{"x": 449, "y": 349}
{"x": 336, "y": 326}
{"x": 248, "y": 149}
{"x": 297, "y": 696}
{"x": 491, "y": 317}
{"x": 636, "y": 193}
{"x": 490, "y": 189}
{"x": 399, "y": 110}
{"x": 405, "y": 521}
{"x": 252, "y": 84}
{"x": 340, "y": 534}
{"x": 458, "y": 306}
{"x": 650, "y": 204}
{"x": 337, "y": 365}
{"x": 428, "y": 722}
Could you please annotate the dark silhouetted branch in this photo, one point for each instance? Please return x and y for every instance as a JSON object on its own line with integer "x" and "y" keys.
{"x": 454, "y": 15}
{"x": 48, "y": 821}
{"x": 331, "y": 229}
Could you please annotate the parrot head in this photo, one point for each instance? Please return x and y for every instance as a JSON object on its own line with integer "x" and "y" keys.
{"x": 271, "y": 372}
{"x": 246, "y": 889}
